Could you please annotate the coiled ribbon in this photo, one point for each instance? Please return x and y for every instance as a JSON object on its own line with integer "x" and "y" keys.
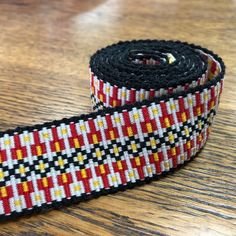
{"x": 156, "y": 102}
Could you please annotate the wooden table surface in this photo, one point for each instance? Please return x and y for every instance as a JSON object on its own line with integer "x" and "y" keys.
{"x": 44, "y": 53}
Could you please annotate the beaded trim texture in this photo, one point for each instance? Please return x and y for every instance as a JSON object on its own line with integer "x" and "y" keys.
{"x": 156, "y": 101}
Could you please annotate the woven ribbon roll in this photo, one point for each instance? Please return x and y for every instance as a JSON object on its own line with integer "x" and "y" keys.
{"x": 156, "y": 102}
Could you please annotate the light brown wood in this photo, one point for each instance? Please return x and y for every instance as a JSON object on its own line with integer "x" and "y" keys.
{"x": 44, "y": 53}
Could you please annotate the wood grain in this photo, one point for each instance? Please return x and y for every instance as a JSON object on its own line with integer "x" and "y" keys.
{"x": 44, "y": 53}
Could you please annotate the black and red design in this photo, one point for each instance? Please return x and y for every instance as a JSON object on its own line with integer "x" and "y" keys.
{"x": 165, "y": 96}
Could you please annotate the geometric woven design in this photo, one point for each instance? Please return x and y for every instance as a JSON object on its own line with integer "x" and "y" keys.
{"x": 156, "y": 101}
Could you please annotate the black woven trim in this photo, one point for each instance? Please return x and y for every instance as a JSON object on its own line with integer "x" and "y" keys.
{"x": 113, "y": 62}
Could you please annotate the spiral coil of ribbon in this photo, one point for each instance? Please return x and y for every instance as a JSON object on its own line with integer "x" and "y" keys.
{"x": 156, "y": 101}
